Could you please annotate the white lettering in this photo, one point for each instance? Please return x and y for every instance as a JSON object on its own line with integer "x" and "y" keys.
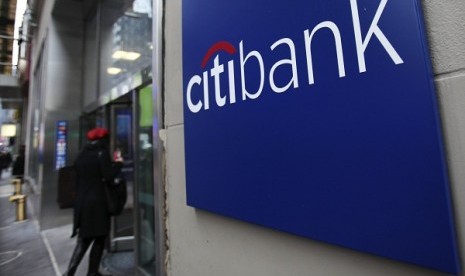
{"x": 373, "y": 30}
{"x": 278, "y": 79}
{"x": 246, "y": 94}
{"x": 292, "y": 61}
{"x": 339, "y": 52}
{"x": 232, "y": 82}
{"x": 215, "y": 73}
{"x": 193, "y": 107}
{"x": 205, "y": 90}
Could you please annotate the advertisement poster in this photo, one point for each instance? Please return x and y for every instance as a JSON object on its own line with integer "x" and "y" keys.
{"x": 61, "y": 144}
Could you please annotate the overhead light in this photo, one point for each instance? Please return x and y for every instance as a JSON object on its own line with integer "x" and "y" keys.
{"x": 113, "y": 70}
{"x": 8, "y": 130}
{"x": 125, "y": 55}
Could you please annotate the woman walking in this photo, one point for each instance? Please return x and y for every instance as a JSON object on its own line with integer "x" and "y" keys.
{"x": 91, "y": 218}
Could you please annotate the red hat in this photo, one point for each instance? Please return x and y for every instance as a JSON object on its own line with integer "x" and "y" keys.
{"x": 97, "y": 133}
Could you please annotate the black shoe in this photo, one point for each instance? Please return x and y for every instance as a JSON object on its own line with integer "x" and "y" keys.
{"x": 98, "y": 274}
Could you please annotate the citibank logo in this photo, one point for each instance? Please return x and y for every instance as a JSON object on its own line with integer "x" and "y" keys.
{"x": 200, "y": 83}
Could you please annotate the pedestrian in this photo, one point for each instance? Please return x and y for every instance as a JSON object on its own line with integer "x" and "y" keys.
{"x": 91, "y": 218}
{"x": 18, "y": 164}
{"x": 5, "y": 160}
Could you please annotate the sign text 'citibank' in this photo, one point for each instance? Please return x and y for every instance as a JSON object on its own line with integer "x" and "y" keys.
{"x": 200, "y": 83}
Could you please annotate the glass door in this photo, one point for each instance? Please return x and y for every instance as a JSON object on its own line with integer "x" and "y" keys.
{"x": 122, "y": 138}
{"x": 145, "y": 240}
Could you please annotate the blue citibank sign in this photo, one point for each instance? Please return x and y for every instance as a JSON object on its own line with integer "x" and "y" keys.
{"x": 318, "y": 118}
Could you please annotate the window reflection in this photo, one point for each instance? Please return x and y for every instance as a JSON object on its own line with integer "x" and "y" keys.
{"x": 146, "y": 239}
{"x": 118, "y": 56}
{"x": 126, "y": 41}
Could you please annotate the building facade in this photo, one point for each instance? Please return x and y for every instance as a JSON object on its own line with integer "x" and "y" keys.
{"x": 119, "y": 64}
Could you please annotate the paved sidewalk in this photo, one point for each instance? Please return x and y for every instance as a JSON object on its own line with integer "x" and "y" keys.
{"x": 22, "y": 250}
{"x": 27, "y": 251}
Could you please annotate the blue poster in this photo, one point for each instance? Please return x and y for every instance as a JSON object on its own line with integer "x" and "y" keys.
{"x": 61, "y": 144}
{"x": 318, "y": 118}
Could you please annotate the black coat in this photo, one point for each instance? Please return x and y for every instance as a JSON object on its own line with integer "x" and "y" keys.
{"x": 5, "y": 160}
{"x": 18, "y": 165}
{"x": 93, "y": 165}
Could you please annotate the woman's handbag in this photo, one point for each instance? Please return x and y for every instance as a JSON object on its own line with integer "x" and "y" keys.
{"x": 66, "y": 187}
{"x": 116, "y": 194}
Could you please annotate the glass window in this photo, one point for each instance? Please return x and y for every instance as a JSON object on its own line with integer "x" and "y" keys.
{"x": 145, "y": 192}
{"x": 90, "y": 60}
{"x": 126, "y": 41}
{"x": 36, "y": 118}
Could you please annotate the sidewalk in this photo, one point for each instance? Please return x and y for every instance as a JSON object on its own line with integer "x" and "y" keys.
{"x": 27, "y": 251}
{"x": 22, "y": 250}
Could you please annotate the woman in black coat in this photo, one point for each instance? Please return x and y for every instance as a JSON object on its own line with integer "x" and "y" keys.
{"x": 91, "y": 218}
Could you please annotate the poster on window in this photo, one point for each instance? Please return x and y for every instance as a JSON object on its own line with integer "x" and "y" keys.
{"x": 61, "y": 144}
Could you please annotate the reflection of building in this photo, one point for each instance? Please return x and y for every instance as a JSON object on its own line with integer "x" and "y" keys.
{"x": 130, "y": 34}
{"x": 71, "y": 79}
{"x": 7, "y": 23}
{"x": 11, "y": 96}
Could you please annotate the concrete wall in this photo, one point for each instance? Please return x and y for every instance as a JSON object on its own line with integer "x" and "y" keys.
{"x": 202, "y": 243}
{"x": 446, "y": 35}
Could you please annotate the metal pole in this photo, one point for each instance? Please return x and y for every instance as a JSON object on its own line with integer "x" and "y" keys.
{"x": 17, "y": 183}
{"x": 21, "y": 208}
{"x": 20, "y": 201}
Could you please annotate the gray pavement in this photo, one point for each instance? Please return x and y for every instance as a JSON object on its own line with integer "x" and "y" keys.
{"x": 25, "y": 250}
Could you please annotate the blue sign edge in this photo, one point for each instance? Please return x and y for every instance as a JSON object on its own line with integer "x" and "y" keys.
{"x": 440, "y": 133}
